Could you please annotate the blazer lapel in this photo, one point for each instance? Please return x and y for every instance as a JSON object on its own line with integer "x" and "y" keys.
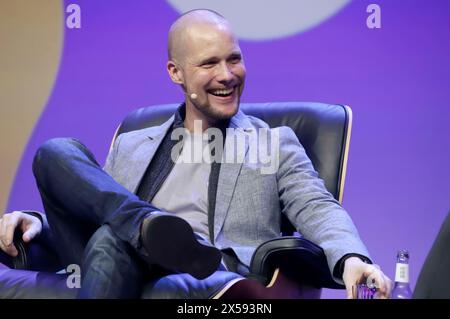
{"x": 142, "y": 155}
{"x": 229, "y": 172}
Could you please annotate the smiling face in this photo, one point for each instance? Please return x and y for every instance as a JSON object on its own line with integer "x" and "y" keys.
{"x": 208, "y": 63}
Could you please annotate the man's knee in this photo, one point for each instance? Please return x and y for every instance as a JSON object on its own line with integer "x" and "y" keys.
{"x": 53, "y": 152}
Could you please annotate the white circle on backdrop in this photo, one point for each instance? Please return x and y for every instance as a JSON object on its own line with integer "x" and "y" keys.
{"x": 265, "y": 20}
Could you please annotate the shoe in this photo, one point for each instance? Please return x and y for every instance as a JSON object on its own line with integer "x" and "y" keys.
{"x": 280, "y": 287}
{"x": 244, "y": 289}
{"x": 171, "y": 243}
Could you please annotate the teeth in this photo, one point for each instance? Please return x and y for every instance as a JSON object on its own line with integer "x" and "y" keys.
{"x": 222, "y": 92}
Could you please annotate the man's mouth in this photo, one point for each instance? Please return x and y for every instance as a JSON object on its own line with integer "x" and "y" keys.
{"x": 222, "y": 92}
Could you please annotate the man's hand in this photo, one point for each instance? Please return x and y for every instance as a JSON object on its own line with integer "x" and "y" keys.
{"x": 31, "y": 226}
{"x": 356, "y": 272}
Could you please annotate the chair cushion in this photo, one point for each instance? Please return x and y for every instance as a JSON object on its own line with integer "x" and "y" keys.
{"x": 25, "y": 284}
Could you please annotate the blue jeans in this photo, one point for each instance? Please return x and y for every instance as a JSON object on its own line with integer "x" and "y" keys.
{"x": 84, "y": 204}
{"x": 96, "y": 222}
{"x": 111, "y": 268}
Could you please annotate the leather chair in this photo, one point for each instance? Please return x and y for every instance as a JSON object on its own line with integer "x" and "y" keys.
{"x": 289, "y": 266}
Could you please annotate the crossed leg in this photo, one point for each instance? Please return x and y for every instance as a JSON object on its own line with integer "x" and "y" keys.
{"x": 84, "y": 204}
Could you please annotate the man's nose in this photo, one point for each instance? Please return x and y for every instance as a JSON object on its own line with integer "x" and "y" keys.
{"x": 224, "y": 73}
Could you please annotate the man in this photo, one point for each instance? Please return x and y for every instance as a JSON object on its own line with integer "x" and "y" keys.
{"x": 113, "y": 221}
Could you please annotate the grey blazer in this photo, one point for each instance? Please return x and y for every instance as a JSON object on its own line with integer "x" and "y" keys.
{"x": 249, "y": 203}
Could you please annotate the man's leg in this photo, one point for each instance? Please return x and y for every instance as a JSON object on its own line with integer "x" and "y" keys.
{"x": 79, "y": 197}
{"x": 110, "y": 268}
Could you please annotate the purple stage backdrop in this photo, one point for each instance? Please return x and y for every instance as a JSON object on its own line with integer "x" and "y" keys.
{"x": 395, "y": 78}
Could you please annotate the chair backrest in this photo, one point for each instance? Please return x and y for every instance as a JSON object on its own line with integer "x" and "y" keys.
{"x": 323, "y": 129}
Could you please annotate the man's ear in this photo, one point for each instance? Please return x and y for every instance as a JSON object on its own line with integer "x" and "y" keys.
{"x": 175, "y": 73}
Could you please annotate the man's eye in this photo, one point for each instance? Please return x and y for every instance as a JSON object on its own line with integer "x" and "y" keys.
{"x": 208, "y": 64}
{"x": 235, "y": 59}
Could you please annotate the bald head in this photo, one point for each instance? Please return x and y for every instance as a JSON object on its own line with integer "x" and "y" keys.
{"x": 206, "y": 61}
{"x": 188, "y": 22}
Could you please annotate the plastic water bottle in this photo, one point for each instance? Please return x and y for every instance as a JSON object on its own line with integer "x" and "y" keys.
{"x": 402, "y": 290}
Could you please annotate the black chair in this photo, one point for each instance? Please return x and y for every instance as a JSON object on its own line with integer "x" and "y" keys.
{"x": 290, "y": 266}
{"x": 434, "y": 278}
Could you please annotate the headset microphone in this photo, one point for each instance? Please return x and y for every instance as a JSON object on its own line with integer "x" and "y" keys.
{"x": 193, "y": 96}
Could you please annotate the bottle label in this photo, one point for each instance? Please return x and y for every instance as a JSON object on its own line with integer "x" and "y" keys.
{"x": 402, "y": 272}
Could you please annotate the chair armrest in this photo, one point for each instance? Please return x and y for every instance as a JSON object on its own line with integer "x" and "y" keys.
{"x": 20, "y": 261}
{"x": 298, "y": 258}
{"x": 35, "y": 255}
{"x": 39, "y": 254}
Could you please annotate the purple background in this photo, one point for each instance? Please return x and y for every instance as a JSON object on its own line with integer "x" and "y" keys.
{"x": 396, "y": 79}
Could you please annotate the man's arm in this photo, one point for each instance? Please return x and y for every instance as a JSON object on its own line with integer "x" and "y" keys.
{"x": 311, "y": 208}
{"x": 320, "y": 218}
